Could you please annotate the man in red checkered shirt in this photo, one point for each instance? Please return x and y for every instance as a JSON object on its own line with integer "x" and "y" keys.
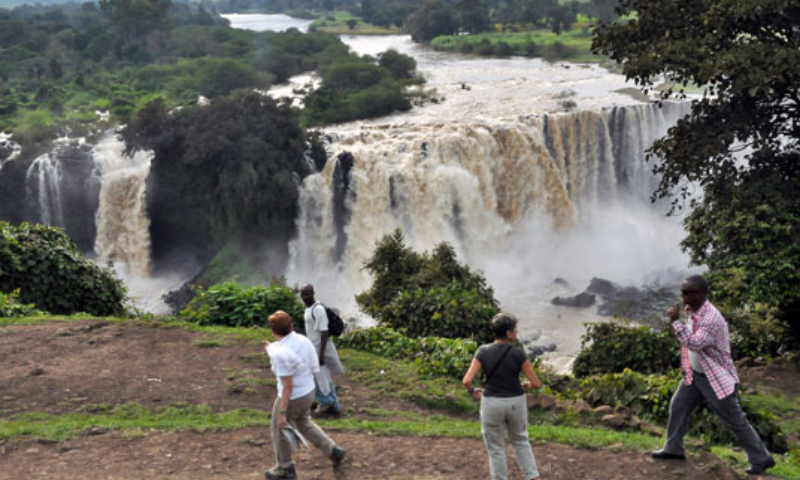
{"x": 709, "y": 376}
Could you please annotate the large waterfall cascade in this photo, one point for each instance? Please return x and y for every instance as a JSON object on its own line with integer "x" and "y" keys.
{"x": 525, "y": 200}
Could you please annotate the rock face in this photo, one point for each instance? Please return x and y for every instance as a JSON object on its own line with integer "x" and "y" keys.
{"x": 582, "y": 300}
{"x": 646, "y": 305}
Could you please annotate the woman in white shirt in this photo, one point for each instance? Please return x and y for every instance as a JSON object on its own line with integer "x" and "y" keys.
{"x": 294, "y": 361}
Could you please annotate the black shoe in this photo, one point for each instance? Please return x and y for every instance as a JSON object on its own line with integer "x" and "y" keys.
{"x": 758, "y": 468}
{"x": 279, "y": 473}
{"x": 662, "y": 455}
{"x": 337, "y": 455}
{"x": 329, "y": 409}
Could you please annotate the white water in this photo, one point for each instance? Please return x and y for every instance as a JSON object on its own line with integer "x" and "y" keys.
{"x": 123, "y": 228}
{"x": 43, "y": 183}
{"x": 524, "y": 190}
{"x": 262, "y": 22}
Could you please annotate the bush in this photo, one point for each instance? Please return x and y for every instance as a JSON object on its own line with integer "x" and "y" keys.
{"x": 45, "y": 265}
{"x": 237, "y": 305}
{"x": 503, "y": 49}
{"x": 649, "y": 396}
{"x": 427, "y": 294}
{"x": 756, "y": 332}
{"x": 611, "y": 348}
{"x": 444, "y": 311}
{"x": 441, "y": 356}
{"x": 10, "y": 306}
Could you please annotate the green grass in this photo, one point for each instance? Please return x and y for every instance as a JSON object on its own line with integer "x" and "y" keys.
{"x": 577, "y": 41}
{"x": 788, "y": 466}
{"x": 129, "y": 416}
{"x": 136, "y": 420}
{"x": 336, "y": 23}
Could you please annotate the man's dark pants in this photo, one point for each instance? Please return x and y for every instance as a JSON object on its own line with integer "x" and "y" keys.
{"x": 689, "y": 397}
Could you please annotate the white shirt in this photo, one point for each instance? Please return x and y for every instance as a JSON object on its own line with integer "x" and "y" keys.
{"x": 694, "y": 357}
{"x": 316, "y": 323}
{"x": 294, "y": 356}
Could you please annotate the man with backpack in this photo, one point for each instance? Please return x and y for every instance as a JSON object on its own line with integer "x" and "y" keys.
{"x": 318, "y": 329}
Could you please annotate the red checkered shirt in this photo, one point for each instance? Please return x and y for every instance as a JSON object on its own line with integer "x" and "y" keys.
{"x": 709, "y": 338}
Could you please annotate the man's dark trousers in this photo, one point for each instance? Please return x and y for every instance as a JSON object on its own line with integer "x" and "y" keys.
{"x": 689, "y": 397}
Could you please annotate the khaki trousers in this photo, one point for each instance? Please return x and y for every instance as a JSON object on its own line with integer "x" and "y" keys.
{"x": 299, "y": 416}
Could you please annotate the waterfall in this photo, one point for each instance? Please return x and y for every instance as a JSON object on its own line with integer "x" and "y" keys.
{"x": 123, "y": 228}
{"x": 43, "y": 186}
{"x": 494, "y": 190}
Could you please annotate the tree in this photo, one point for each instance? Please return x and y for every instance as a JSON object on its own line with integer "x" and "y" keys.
{"x": 741, "y": 142}
{"x": 473, "y": 16}
{"x": 428, "y": 294}
{"x": 435, "y": 18}
{"x": 402, "y": 67}
{"x": 136, "y": 18}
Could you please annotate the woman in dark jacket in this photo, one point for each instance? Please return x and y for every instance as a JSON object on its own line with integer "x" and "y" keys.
{"x": 503, "y": 405}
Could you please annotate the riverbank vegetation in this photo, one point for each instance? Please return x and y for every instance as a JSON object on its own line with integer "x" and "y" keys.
{"x": 69, "y": 66}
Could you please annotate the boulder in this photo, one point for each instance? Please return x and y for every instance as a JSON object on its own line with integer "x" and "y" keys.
{"x": 599, "y": 286}
{"x": 603, "y": 410}
{"x": 547, "y": 402}
{"x": 582, "y": 300}
{"x": 614, "y": 421}
{"x": 581, "y": 406}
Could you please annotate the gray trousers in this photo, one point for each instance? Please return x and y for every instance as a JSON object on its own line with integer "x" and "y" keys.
{"x": 298, "y": 414}
{"x": 689, "y": 397}
{"x": 498, "y": 416}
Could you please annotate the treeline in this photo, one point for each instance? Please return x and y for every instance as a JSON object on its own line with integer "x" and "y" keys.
{"x": 427, "y": 19}
{"x": 60, "y": 65}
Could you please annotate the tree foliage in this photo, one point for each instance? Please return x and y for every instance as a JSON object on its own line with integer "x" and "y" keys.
{"x": 433, "y": 19}
{"x": 428, "y": 294}
{"x": 49, "y": 272}
{"x": 224, "y": 171}
{"x": 236, "y": 305}
{"x": 612, "y": 348}
{"x": 739, "y": 144}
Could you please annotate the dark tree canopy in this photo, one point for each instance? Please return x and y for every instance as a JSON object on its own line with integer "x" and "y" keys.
{"x": 433, "y": 19}
{"x": 740, "y": 144}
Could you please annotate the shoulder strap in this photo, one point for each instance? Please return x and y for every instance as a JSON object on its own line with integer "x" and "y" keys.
{"x": 502, "y": 357}
{"x": 312, "y": 310}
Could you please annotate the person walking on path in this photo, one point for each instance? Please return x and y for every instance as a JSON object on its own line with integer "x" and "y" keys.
{"x": 709, "y": 376}
{"x": 293, "y": 360}
{"x": 503, "y": 405}
{"x": 316, "y": 322}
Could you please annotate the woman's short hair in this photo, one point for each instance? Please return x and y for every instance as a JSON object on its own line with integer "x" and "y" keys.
{"x": 280, "y": 323}
{"x": 502, "y": 323}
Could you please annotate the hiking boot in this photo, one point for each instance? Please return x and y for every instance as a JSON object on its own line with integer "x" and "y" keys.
{"x": 329, "y": 409}
{"x": 759, "y": 468}
{"x": 337, "y": 455}
{"x": 662, "y": 455}
{"x": 281, "y": 473}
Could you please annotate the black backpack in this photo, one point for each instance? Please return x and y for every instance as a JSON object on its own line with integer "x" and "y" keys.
{"x": 335, "y": 322}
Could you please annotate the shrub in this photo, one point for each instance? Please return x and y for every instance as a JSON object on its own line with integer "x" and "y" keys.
{"x": 10, "y": 306}
{"x": 503, "y": 49}
{"x": 450, "y": 311}
{"x": 649, "y": 396}
{"x": 442, "y": 356}
{"x": 237, "y": 305}
{"x": 612, "y": 347}
{"x": 427, "y": 294}
{"x": 45, "y": 265}
{"x": 756, "y": 331}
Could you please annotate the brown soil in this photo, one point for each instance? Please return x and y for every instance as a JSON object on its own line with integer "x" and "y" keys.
{"x": 59, "y": 367}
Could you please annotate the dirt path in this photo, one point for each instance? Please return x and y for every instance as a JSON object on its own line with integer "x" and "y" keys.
{"x": 60, "y": 367}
